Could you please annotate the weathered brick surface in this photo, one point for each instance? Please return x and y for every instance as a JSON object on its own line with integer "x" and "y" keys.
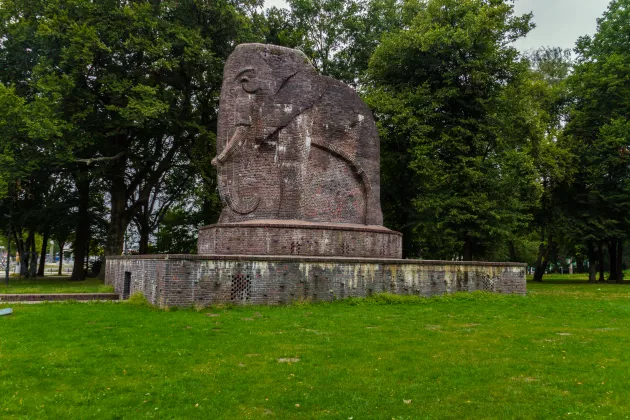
{"x": 296, "y": 147}
{"x": 183, "y": 280}
{"x": 293, "y": 144}
{"x": 285, "y": 238}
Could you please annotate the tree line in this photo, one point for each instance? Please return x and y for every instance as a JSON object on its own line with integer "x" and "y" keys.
{"x": 109, "y": 114}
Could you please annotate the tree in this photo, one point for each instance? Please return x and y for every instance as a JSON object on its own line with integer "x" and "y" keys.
{"x": 554, "y": 163}
{"x": 339, "y": 36}
{"x": 166, "y": 193}
{"x": 597, "y": 132}
{"x": 443, "y": 91}
{"x": 119, "y": 90}
{"x": 178, "y": 232}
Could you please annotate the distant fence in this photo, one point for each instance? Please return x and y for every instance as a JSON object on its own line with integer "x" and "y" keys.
{"x": 50, "y": 270}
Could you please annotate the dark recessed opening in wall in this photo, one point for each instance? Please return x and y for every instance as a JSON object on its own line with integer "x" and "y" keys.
{"x": 127, "y": 285}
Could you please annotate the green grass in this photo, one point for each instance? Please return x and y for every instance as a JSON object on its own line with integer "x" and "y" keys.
{"x": 561, "y": 351}
{"x": 57, "y": 284}
{"x": 576, "y": 278}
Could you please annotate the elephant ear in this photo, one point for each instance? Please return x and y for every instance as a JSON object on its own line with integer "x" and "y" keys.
{"x": 297, "y": 93}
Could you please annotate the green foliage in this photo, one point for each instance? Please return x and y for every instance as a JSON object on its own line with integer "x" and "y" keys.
{"x": 178, "y": 232}
{"x": 450, "y": 99}
{"x": 138, "y": 299}
{"x": 339, "y": 36}
{"x": 115, "y": 94}
{"x": 485, "y": 153}
{"x": 597, "y": 135}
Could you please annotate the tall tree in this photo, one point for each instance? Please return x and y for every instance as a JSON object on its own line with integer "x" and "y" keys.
{"x": 339, "y": 36}
{"x": 597, "y": 132}
{"x": 554, "y": 162}
{"x": 128, "y": 86}
{"x": 443, "y": 91}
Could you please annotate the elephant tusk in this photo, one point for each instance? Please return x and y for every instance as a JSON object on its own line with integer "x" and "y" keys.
{"x": 236, "y": 142}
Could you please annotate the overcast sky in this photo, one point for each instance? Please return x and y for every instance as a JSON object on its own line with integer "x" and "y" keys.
{"x": 559, "y": 23}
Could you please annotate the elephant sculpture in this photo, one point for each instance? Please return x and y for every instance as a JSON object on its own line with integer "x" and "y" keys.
{"x": 293, "y": 144}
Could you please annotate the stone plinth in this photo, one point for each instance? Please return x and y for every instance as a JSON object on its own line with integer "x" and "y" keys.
{"x": 184, "y": 280}
{"x": 294, "y": 237}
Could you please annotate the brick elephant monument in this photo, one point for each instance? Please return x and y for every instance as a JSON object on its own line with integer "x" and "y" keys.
{"x": 298, "y": 162}
{"x": 298, "y": 173}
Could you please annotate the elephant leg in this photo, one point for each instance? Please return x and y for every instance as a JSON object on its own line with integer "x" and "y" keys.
{"x": 358, "y": 170}
{"x": 291, "y": 190}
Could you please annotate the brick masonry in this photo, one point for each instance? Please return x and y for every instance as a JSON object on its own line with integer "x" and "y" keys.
{"x": 184, "y": 280}
{"x": 274, "y": 237}
{"x": 293, "y": 144}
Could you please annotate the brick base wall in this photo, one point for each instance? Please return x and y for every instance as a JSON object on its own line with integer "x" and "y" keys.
{"x": 293, "y": 237}
{"x": 184, "y": 280}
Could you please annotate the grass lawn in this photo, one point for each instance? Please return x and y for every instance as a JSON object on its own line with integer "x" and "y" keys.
{"x": 576, "y": 278}
{"x": 561, "y": 351}
{"x": 50, "y": 284}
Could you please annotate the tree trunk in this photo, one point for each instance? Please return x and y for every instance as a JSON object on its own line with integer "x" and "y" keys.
{"x": 118, "y": 204}
{"x": 83, "y": 227}
{"x": 612, "y": 254}
{"x": 87, "y": 257}
{"x": 468, "y": 249}
{"x": 61, "y": 244}
{"x": 118, "y": 219}
{"x": 555, "y": 257}
{"x": 620, "y": 261}
{"x": 592, "y": 266}
{"x": 543, "y": 259}
{"x": 19, "y": 245}
{"x": 579, "y": 264}
{"x": 26, "y": 257}
{"x": 600, "y": 252}
{"x": 42, "y": 257}
{"x": 144, "y": 241}
{"x": 512, "y": 249}
{"x": 144, "y": 229}
{"x": 32, "y": 273}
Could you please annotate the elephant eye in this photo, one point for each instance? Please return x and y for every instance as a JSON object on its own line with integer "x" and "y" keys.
{"x": 244, "y": 79}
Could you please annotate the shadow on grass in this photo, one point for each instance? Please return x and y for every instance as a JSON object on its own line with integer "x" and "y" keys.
{"x": 571, "y": 281}
{"x": 53, "y": 284}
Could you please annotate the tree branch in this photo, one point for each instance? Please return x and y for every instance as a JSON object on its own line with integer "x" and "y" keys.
{"x": 89, "y": 161}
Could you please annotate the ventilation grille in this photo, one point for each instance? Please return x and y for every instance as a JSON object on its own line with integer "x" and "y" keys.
{"x": 486, "y": 283}
{"x": 241, "y": 287}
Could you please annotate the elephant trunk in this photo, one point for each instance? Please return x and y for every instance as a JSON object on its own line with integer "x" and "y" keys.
{"x": 225, "y": 191}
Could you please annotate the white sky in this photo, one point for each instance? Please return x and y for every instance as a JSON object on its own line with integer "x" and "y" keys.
{"x": 559, "y": 23}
